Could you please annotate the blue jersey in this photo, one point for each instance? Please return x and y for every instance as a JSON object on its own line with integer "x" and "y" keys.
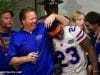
{"x": 96, "y": 43}
{"x": 2, "y": 57}
{"x": 97, "y": 46}
{"x": 22, "y": 43}
{"x": 5, "y": 37}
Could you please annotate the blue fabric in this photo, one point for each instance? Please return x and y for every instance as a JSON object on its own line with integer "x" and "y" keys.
{"x": 97, "y": 47}
{"x": 2, "y": 57}
{"x": 4, "y": 66}
{"x": 96, "y": 43}
{"x": 22, "y": 43}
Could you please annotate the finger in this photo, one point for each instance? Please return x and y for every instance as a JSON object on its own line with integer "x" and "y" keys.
{"x": 34, "y": 59}
{"x": 49, "y": 24}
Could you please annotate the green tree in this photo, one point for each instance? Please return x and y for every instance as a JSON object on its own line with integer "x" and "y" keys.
{"x": 6, "y": 4}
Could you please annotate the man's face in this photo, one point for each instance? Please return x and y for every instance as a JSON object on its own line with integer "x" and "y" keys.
{"x": 30, "y": 20}
{"x": 7, "y": 20}
{"x": 90, "y": 27}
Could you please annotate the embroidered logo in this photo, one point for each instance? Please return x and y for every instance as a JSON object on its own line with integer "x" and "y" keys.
{"x": 39, "y": 36}
{"x": 71, "y": 41}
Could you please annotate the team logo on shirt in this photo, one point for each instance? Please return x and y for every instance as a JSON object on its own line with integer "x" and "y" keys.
{"x": 39, "y": 36}
{"x": 71, "y": 41}
{"x": 6, "y": 41}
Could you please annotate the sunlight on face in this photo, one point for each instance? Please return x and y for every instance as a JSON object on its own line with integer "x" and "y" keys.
{"x": 30, "y": 20}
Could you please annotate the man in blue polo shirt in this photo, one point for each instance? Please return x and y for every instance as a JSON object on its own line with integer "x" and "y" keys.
{"x": 6, "y": 22}
{"x": 29, "y": 48}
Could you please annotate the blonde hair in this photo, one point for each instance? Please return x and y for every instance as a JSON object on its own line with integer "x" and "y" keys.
{"x": 75, "y": 16}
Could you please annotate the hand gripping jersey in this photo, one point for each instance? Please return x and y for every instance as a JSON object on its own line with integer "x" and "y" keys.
{"x": 69, "y": 51}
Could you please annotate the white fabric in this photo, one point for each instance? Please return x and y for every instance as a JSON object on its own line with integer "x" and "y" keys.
{"x": 68, "y": 43}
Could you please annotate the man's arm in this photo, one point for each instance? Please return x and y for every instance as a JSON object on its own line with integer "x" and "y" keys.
{"x": 86, "y": 45}
{"x": 62, "y": 19}
{"x": 31, "y": 57}
{"x": 50, "y": 19}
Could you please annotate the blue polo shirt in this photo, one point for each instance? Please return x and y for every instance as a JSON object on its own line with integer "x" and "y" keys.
{"x": 22, "y": 43}
{"x": 96, "y": 43}
{"x": 2, "y": 57}
{"x": 4, "y": 66}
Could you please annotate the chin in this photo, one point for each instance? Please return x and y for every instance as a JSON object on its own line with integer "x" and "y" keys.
{"x": 33, "y": 28}
{"x": 8, "y": 27}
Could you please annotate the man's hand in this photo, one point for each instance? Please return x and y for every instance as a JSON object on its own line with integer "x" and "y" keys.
{"x": 32, "y": 57}
{"x": 92, "y": 71}
{"x": 49, "y": 20}
{"x": 95, "y": 72}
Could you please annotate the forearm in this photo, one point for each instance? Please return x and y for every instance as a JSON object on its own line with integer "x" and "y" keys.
{"x": 63, "y": 20}
{"x": 86, "y": 44}
{"x": 93, "y": 58}
{"x": 18, "y": 60}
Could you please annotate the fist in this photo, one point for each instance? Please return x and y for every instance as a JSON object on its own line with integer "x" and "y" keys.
{"x": 32, "y": 57}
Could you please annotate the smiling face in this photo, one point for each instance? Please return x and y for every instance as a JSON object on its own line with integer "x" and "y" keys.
{"x": 80, "y": 21}
{"x": 78, "y": 18}
{"x": 30, "y": 20}
{"x": 92, "y": 27}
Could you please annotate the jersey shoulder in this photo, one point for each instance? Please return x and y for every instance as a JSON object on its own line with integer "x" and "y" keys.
{"x": 76, "y": 32}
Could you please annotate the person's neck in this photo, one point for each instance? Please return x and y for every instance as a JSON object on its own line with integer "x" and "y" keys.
{"x": 97, "y": 30}
{"x": 4, "y": 29}
{"x": 28, "y": 30}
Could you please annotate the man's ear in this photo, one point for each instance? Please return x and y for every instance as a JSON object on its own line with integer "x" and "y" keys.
{"x": 23, "y": 21}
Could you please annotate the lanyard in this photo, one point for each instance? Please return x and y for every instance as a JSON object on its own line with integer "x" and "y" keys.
{"x": 4, "y": 45}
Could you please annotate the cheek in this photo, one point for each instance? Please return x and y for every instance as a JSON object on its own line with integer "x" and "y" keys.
{"x": 28, "y": 22}
{"x": 7, "y": 21}
{"x": 80, "y": 22}
{"x": 91, "y": 28}
{"x": 83, "y": 22}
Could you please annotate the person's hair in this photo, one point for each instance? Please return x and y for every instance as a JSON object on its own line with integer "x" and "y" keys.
{"x": 6, "y": 11}
{"x": 51, "y": 8}
{"x": 93, "y": 18}
{"x": 22, "y": 14}
{"x": 75, "y": 15}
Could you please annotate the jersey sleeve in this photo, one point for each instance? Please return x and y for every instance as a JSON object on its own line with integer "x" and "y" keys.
{"x": 12, "y": 50}
{"x": 79, "y": 34}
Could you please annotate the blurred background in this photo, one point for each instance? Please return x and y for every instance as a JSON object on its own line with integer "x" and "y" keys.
{"x": 65, "y": 8}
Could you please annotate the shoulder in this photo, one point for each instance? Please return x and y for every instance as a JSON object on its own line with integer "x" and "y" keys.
{"x": 76, "y": 32}
{"x": 41, "y": 26}
{"x": 18, "y": 35}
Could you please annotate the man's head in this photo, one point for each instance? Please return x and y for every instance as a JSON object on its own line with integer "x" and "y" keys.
{"x": 6, "y": 18}
{"x": 93, "y": 20}
{"x": 51, "y": 6}
{"x": 28, "y": 18}
{"x": 56, "y": 31}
